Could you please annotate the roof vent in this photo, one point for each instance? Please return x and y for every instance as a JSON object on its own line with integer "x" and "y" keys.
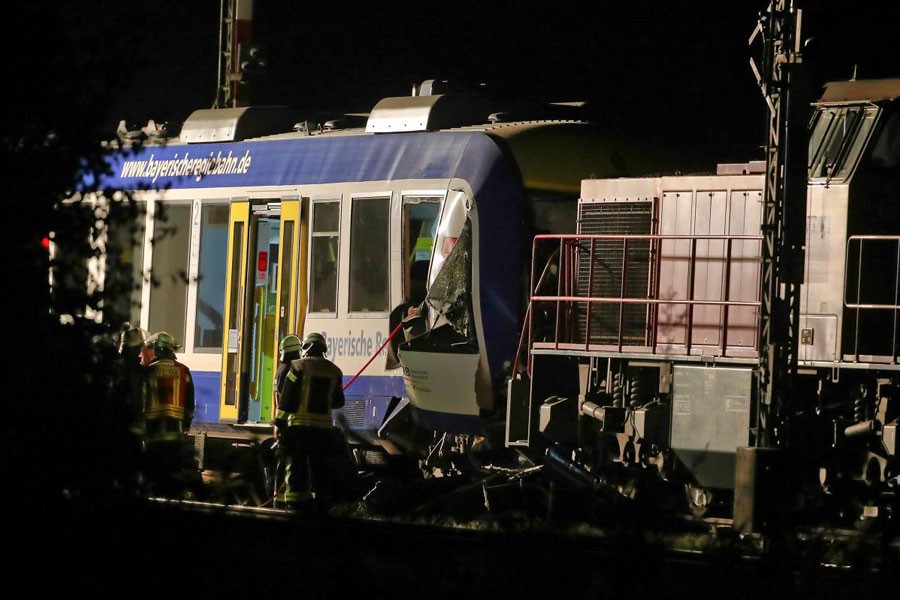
{"x": 427, "y": 112}
{"x": 235, "y": 124}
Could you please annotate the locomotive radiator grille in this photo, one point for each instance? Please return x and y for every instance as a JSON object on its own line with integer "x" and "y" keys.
{"x": 614, "y": 269}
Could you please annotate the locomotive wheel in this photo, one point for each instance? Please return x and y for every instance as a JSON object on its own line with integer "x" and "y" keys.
{"x": 699, "y": 499}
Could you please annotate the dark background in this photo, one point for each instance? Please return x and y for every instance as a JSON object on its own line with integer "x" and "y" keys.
{"x": 672, "y": 71}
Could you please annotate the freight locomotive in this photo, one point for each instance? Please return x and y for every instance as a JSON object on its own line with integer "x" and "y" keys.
{"x": 642, "y": 362}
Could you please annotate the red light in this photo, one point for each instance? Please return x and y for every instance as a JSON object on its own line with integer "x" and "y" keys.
{"x": 45, "y": 243}
{"x": 262, "y": 261}
{"x": 449, "y": 242}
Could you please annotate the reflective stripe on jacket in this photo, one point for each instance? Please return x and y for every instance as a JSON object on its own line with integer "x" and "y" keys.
{"x": 170, "y": 391}
{"x": 312, "y": 389}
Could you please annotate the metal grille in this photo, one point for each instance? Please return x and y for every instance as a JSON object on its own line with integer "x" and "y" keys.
{"x": 609, "y": 276}
{"x": 355, "y": 411}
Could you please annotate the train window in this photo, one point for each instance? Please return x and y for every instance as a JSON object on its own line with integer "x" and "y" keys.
{"x": 209, "y": 320}
{"x": 168, "y": 269}
{"x": 837, "y": 138}
{"x": 455, "y": 213}
{"x": 326, "y": 220}
{"x": 420, "y": 216}
{"x": 369, "y": 254}
{"x": 125, "y": 258}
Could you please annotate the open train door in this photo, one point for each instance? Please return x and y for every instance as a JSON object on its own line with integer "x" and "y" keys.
{"x": 262, "y": 296}
{"x": 238, "y": 244}
{"x": 290, "y": 303}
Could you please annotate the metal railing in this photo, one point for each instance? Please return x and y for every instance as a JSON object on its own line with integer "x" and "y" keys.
{"x": 871, "y": 300}
{"x": 590, "y": 267}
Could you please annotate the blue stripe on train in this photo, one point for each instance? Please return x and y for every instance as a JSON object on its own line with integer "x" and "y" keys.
{"x": 373, "y": 391}
{"x": 207, "y": 387}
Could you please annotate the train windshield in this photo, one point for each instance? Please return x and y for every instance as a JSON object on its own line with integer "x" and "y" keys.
{"x": 837, "y": 138}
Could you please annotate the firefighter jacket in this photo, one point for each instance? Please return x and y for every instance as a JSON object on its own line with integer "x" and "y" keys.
{"x": 312, "y": 389}
{"x": 170, "y": 393}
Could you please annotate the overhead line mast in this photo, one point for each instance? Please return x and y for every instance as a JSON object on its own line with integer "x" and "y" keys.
{"x": 784, "y": 210}
{"x": 235, "y": 36}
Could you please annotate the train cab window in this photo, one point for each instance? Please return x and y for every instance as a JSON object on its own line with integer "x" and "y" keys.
{"x": 169, "y": 268}
{"x": 837, "y": 138}
{"x": 420, "y": 217}
{"x": 326, "y": 218}
{"x": 370, "y": 254}
{"x": 209, "y": 319}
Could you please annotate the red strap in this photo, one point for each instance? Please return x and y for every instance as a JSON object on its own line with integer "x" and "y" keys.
{"x": 393, "y": 333}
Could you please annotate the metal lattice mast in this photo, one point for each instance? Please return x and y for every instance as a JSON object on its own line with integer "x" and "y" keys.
{"x": 784, "y": 202}
{"x": 235, "y": 31}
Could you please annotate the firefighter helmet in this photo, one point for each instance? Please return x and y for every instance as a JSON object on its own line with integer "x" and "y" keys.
{"x": 161, "y": 341}
{"x": 130, "y": 338}
{"x": 314, "y": 339}
{"x": 289, "y": 343}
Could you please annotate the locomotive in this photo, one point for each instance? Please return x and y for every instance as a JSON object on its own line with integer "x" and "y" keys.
{"x": 640, "y": 365}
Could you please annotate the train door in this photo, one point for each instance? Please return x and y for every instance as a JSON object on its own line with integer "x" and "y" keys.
{"x": 291, "y": 296}
{"x": 260, "y": 339}
{"x": 261, "y": 299}
{"x": 238, "y": 226}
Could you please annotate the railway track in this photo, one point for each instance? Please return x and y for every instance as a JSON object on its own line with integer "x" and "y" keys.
{"x": 699, "y": 541}
{"x": 250, "y": 549}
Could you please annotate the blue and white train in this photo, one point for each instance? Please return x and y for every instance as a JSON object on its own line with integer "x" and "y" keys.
{"x": 259, "y": 224}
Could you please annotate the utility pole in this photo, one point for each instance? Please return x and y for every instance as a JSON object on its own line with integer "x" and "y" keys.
{"x": 784, "y": 213}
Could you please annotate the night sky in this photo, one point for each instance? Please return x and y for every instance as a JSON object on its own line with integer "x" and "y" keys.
{"x": 656, "y": 69}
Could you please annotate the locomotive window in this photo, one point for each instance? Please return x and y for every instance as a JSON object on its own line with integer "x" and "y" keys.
{"x": 420, "y": 216}
{"x": 323, "y": 256}
{"x": 169, "y": 267}
{"x": 369, "y": 254}
{"x": 837, "y": 138}
{"x": 209, "y": 321}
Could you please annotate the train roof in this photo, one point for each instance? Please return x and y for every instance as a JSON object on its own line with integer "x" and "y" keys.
{"x": 860, "y": 91}
{"x": 551, "y": 146}
{"x": 433, "y": 106}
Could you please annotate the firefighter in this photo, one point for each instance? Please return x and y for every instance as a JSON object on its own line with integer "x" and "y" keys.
{"x": 130, "y": 350}
{"x": 131, "y": 393}
{"x": 289, "y": 350}
{"x": 168, "y": 412}
{"x": 318, "y": 463}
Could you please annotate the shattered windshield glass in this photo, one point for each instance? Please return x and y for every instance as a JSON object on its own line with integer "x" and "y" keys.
{"x": 448, "y": 297}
